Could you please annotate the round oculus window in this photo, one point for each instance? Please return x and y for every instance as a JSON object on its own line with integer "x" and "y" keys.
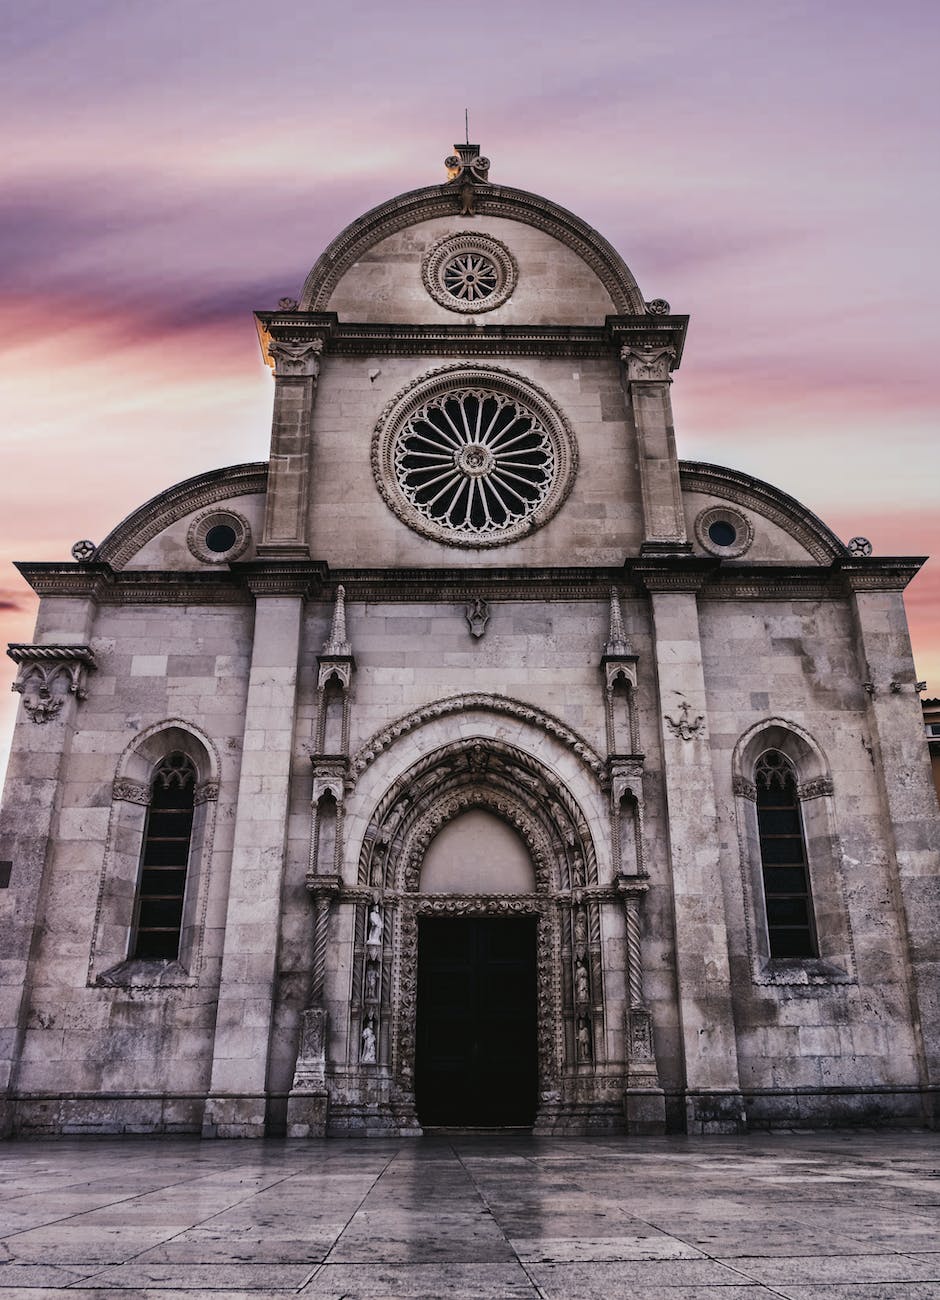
{"x": 469, "y": 272}
{"x": 219, "y": 535}
{"x": 473, "y": 457}
{"x": 725, "y": 531}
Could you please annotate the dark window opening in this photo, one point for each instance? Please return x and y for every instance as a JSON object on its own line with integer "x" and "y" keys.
{"x": 165, "y": 857}
{"x": 722, "y": 533}
{"x": 783, "y": 857}
{"x": 221, "y": 537}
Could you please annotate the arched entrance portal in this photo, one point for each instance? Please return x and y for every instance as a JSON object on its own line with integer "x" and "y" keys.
{"x": 479, "y": 832}
{"x": 477, "y": 1009}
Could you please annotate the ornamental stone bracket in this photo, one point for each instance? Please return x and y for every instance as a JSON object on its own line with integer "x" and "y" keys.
{"x": 48, "y": 674}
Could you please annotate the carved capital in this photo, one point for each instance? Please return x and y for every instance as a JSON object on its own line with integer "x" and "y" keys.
{"x": 293, "y": 357}
{"x": 648, "y": 360}
{"x": 815, "y": 789}
{"x": 130, "y": 792}
{"x": 48, "y": 674}
{"x": 330, "y": 775}
{"x": 323, "y": 886}
{"x": 632, "y": 889}
{"x": 745, "y": 788}
{"x": 207, "y": 792}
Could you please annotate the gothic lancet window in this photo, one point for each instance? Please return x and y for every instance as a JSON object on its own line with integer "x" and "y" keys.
{"x": 165, "y": 859}
{"x": 787, "y": 899}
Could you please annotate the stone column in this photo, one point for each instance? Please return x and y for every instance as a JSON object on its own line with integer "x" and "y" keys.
{"x": 644, "y": 1100}
{"x": 236, "y": 1104}
{"x": 647, "y": 362}
{"x": 52, "y": 676}
{"x": 911, "y": 824}
{"x": 296, "y": 363}
{"x": 308, "y": 1104}
{"x": 713, "y": 1098}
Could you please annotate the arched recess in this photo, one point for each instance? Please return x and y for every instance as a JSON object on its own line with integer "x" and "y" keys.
{"x": 110, "y": 963}
{"x": 824, "y": 860}
{"x": 480, "y": 772}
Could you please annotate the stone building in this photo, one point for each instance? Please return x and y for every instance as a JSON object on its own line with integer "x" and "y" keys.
{"x": 474, "y": 760}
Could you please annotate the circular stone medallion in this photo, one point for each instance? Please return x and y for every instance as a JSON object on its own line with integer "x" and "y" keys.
{"x": 469, "y": 272}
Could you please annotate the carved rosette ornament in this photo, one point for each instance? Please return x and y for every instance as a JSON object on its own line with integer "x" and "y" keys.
{"x": 84, "y": 552}
{"x": 48, "y": 674}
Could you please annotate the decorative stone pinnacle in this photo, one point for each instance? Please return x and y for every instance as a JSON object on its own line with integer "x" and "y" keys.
{"x": 336, "y": 643}
{"x": 617, "y": 643}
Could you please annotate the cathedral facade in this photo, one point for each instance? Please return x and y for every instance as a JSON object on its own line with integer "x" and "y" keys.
{"x": 473, "y": 761}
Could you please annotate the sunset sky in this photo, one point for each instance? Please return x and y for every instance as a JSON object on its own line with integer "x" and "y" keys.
{"x": 767, "y": 166}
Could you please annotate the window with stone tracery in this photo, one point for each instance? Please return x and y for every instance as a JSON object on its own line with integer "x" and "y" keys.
{"x": 165, "y": 860}
{"x": 787, "y": 899}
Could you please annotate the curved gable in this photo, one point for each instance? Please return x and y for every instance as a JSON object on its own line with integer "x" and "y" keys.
{"x": 791, "y": 532}
{"x": 548, "y": 241}
{"x": 176, "y": 504}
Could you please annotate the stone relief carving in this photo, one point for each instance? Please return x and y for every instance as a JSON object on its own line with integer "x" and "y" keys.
{"x": 381, "y": 741}
{"x": 682, "y": 727}
{"x": 815, "y": 789}
{"x": 83, "y": 552}
{"x": 478, "y": 615}
{"x": 48, "y": 674}
{"x": 859, "y": 546}
{"x": 130, "y": 791}
{"x": 296, "y": 357}
{"x": 658, "y": 307}
{"x": 287, "y": 304}
{"x": 745, "y": 788}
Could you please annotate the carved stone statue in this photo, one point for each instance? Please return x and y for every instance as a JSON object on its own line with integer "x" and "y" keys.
{"x": 584, "y": 1040}
{"x": 580, "y": 928}
{"x": 367, "y": 1045}
{"x": 376, "y": 925}
{"x": 582, "y": 986}
{"x": 372, "y": 982}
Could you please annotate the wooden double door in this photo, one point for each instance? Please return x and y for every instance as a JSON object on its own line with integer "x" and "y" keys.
{"x": 476, "y": 1049}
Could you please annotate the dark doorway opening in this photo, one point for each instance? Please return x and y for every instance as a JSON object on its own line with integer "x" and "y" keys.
{"x": 476, "y": 1058}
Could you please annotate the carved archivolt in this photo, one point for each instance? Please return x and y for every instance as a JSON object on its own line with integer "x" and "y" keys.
{"x": 383, "y": 739}
{"x": 480, "y": 772}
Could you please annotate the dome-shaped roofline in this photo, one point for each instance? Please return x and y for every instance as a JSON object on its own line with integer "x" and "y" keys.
{"x": 177, "y": 502}
{"x": 766, "y": 500}
{"x": 489, "y": 201}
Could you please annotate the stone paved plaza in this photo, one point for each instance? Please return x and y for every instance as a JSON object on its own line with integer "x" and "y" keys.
{"x": 800, "y": 1215}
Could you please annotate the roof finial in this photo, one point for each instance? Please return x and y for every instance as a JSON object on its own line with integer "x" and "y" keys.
{"x": 466, "y": 124}
{"x": 336, "y": 643}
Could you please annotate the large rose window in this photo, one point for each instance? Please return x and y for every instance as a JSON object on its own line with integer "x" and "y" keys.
{"x": 474, "y": 463}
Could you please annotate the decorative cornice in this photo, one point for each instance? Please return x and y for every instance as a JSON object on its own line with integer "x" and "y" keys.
{"x": 383, "y": 739}
{"x": 881, "y": 573}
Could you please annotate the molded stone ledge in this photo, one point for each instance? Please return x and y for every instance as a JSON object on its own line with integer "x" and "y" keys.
{"x": 140, "y": 974}
{"x": 802, "y": 972}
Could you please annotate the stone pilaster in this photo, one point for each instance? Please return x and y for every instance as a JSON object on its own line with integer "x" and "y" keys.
{"x": 236, "y": 1104}
{"x": 308, "y": 1104}
{"x": 644, "y": 1100}
{"x": 647, "y": 363}
{"x": 713, "y": 1098}
{"x": 293, "y": 351}
{"x": 52, "y": 675}
{"x": 911, "y": 821}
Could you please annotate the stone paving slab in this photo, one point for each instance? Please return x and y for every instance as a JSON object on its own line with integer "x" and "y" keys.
{"x": 801, "y": 1216}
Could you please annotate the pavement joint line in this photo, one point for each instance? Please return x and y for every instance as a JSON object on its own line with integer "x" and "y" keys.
{"x": 339, "y": 1236}
{"x": 508, "y": 1240}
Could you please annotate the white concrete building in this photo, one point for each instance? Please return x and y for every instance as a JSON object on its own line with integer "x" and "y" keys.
{"x": 474, "y": 760}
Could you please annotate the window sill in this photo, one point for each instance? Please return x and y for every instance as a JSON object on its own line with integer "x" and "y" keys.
{"x": 138, "y": 973}
{"x": 797, "y": 971}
